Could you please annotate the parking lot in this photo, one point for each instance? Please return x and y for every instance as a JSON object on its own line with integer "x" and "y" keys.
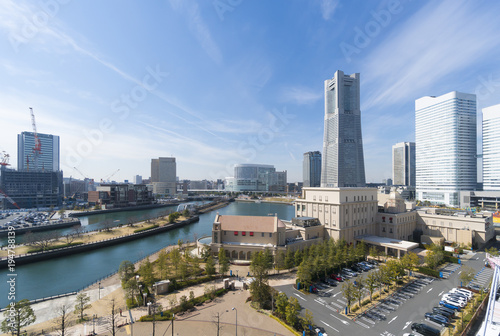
{"x": 394, "y": 315}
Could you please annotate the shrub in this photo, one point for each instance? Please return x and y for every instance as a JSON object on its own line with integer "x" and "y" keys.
{"x": 428, "y": 271}
{"x": 365, "y": 302}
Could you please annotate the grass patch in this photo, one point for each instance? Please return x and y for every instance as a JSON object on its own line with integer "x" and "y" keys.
{"x": 147, "y": 228}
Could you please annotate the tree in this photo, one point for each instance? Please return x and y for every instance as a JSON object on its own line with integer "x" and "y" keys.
{"x": 371, "y": 283}
{"x": 359, "y": 289}
{"x": 281, "y": 304}
{"x": 210, "y": 266}
{"x": 81, "y": 305}
{"x": 107, "y": 225}
{"x": 434, "y": 256}
{"x": 183, "y": 270}
{"x": 280, "y": 260}
{"x": 361, "y": 250}
{"x": 126, "y": 271}
{"x": 467, "y": 275}
{"x": 292, "y": 311}
{"x": 223, "y": 262}
{"x": 186, "y": 213}
{"x": 289, "y": 260}
{"x": 374, "y": 252}
{"x": 62, "y": 320}
{"x": 396, "y": 270}
{"x": 492, "y": 251}
{"x": 298, "y": 256}
{"x": 146, "y": 273}
{"x": 175, "y": 257}
{"x": 305, "y": 272}
{"x": 113, "y": 317}
{"x": 260, "y": 267}
{"x": 131, "y": 288}
{"x": 347, "y": 291}
{"x": 17, "y": 316}
{"x": 162, "y": 264}
{"x": 308, "y": 319}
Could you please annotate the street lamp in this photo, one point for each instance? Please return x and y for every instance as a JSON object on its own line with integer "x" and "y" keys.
{"x": 93, "y": 323}
{"x": 237, "y": 275}
{"x": 99, "y": 290}
{"x": 236, "y": 310}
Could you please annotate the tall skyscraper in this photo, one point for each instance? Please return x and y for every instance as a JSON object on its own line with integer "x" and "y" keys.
{"x": 164, "y": 175}
{"x": 343, "y": 162}
{"x": 445, "y": 134}
{"x": 311, "y": 169}
{"x": 491, "y": 148}
{"x": 48, "y": 159}
{"x": 403, "y": 164}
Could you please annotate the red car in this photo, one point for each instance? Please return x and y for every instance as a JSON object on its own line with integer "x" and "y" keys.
{"x": 336, "y": 277}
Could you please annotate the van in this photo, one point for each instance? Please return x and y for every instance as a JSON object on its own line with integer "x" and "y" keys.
{"x": 425, "y": 330}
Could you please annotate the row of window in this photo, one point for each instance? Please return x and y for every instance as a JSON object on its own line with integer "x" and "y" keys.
{"x": 250, "y": 233}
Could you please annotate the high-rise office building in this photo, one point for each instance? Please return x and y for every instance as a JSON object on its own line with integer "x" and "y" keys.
{"x": 164, "y": 175}
{"x": 256, "y": 177}
{"x": 137, "y": 179}
{"x": 445, "y": 134}
{"x": 403, "y": 164}
{"x": 48, "y": 159}
{"x": 491, "y": 148}
{"x": 311, "y": 169}
{"x": 342, "y": 162}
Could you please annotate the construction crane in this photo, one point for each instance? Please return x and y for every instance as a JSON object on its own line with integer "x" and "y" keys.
{"x": 5, "y": 159}
{"x": 110, "y": 176}
{"x": 9, "y": 199}
{"x": 37, "y": 150}
{"x": 91, "y": 181}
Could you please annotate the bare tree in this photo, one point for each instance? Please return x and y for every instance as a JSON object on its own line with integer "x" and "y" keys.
{"x": 107, "y": 225}
{"x": 76, "y": 230}
{"x": 113, "y": 318}
{"x": 41, "y": 240}
{"x": 216, "y": 321}
{"x": 62, "y": 320}
{"x": 69, "y": 238}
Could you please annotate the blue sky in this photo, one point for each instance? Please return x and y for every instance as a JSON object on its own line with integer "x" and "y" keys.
{"x": 219, "y": 82}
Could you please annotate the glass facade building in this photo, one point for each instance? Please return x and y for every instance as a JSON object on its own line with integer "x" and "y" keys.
{"x": 342, "y": 161}
{"x": 256, "y": 177}
{"x": 491, "y": 148}
{"x": 48, "y": 159}
{"x": 445, "y": 134}
{"x": 403, "y": 164}
{"x": 311, "y": 169}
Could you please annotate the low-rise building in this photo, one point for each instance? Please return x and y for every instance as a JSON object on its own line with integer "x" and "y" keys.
{"x": 120, "y": 195}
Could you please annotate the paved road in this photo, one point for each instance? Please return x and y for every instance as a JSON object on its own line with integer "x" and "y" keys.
{"x": 329, "y": 300}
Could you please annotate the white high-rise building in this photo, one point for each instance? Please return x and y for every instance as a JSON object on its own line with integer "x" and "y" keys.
{"x": 445, "y": 134}
{"x": 342, "y": 161}
{"x": 403, "y": 164}
{"x": 491, "y": 148}
{"x": 48, "y": 159}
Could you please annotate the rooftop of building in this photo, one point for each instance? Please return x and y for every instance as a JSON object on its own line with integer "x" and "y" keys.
{"x": 249, "y": 223}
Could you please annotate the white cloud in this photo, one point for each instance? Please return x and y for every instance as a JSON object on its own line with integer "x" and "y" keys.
{"x": 328, "y": 8}
{"x": 437, "y": 41}
{"x": 300, "y": 95}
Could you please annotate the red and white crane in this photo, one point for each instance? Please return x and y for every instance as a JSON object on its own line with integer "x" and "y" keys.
{"x": 37, "y": 150}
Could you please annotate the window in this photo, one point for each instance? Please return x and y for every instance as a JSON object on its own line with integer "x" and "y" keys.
{"x": 383, "y": 219}
{"x": 224, "y": 233}
{"x": 390, "y": 220}
{"x": 326, "y": 208}
{"x": 320, "y": 199}
{"x": 243, "y": 233}
{"x": 235, "y": 233}
{"x": 251, "y": 234}
{"x": 314, "y": 197}
{"x": 334, "y": 210}
{"x": 346, "y": 211}
{"x": 270, "y": 234}
{"x": 383, "y": 228}
{"x": 326, "y": 198}
{"x": 390, "y": 230}
{"x": 298, "y": 207}
{"x": 262, "y": 234}
{"x": 326, "y": 221}
{"x": 346, "y": 199}
{"x": 334, "y": 223}
{"x": 320, "y": 208}
{"x": 303, "y": 207}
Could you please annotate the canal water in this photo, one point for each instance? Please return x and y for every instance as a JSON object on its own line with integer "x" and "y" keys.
{"x": 75, "y": 272}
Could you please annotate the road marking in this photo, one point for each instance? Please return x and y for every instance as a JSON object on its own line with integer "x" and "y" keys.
{"x": 328, "y": 291}
{"x": 362, "y": 324}
{"x": 337, "y": 305}
{"x": 392, "y": 320}
{"x": 336, "y": 294}
{"x": 459, "y": 272}
{"x": 429, "y": 290}
{"x": 345, "y": 322}
{"x": 328, "y": 325}
{"x": 407, "y": 324}
{"x": 321, "y": 303}
{"x": 440, "y": 293}
{"x": 300, "y": 297}
{"x": 342, "y": 301}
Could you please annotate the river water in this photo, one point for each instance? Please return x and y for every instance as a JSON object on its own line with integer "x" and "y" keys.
{"x": 75, "y": 272}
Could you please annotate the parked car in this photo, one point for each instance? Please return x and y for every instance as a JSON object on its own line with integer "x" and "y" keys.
{"x": 454, "y": 300}
{"x": 425, "y": 330}
{"x": 475, "y": 287}
{"x": 336, "y": 277}
{"x": 459, "y": 295}
{"x": 439, "y": 319}
{"x": 449, "y": 313}
{"x": 462, "y": 291}
{"x": 449, "y": 305}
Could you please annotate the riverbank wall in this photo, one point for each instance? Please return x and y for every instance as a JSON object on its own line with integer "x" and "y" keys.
{"x": 135, "y": 208}
{"x": 39, "y": 256}
{"x": 55, "y": 226}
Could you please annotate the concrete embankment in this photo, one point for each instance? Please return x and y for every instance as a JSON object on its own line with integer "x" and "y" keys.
{"x": 135, "y": 208}
{"x": 211, "y": 207}
{"x": 34, "y": 257}
{"x": 55, "y": 226}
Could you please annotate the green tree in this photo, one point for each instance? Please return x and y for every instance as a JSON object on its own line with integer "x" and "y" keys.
{"x": 308, "y": 320}
{"x": 210, "y": 266}
{"x": 131, "y": 289}
{"x": 223, "y": 261}
{"x": 146, "y": 273}
{"x": 361, "y": 250}
{"x": 371, "y": 283}
{"x": 359, "y": 289}
{"x": 175, "y": 257}
{"x": 305, "y": 272}
{"x": 467, "y": 275}
{"x": 259, "y": 288}
{"x": 289, "y": 260}
{"x": 186, "y": 213}
{"x": 17, "y": 316}
{"x": 492, "y": 251}
{"x": 281, "y": 304}
{"x": 126, "y": 271}
{"x": 82, "y": 304}
{"x": 183, "y": 270}
{"x": 434, "y": 256}
{"x": 374, "y": 252}
{"x": 348, "y": 292}
{"x": 162, "y": 264}
{"x": 280, "y": 260}
{"x": 292, "y": 311}
{"x": 298, "y": 256}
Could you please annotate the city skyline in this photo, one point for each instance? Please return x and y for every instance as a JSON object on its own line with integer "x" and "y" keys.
{"x": 119, "y": 94}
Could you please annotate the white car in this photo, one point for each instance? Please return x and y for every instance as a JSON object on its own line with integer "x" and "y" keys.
{"x": 463, "y": 291}
{"x": 454, "y": 302}
{"x": 454, "y": 297}
{"x": 459, "y": 294}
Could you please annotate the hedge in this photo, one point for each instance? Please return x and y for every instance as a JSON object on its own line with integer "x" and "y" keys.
{"x": 450, "y": 259}
{"x": 55, "y": 247}
{"x": 428, "y": 271}
{"x": 147, "y": 228}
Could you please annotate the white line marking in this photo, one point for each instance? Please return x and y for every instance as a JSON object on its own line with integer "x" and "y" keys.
{"x": 429, "y": 290}
{"x": 440, "y": 293}
{"x": 336, "y": 294}
{"x": 328, "y": 291}
{"x": 392, "y": 320}
{"x": 337, "y": 305}
{"x": 362, "y": 324}
{"x": 300, "y": 297}
{"x": 345, "y": 322}
{"x": 321, "y": 303}
{"x": 459, "y": 272}
{"x": 407, "y": 324}
{"x": 328, "y": 325}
